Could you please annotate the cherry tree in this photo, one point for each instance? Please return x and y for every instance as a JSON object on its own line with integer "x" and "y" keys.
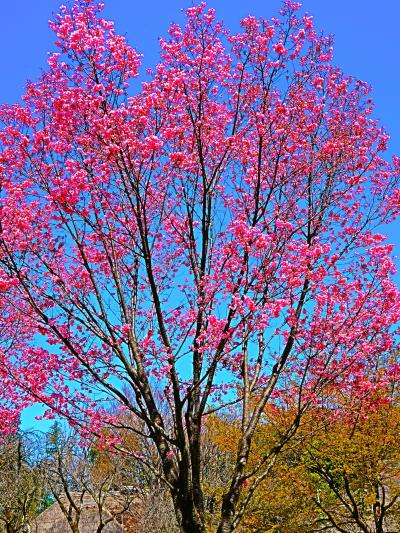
{"x": 211, "y": 233}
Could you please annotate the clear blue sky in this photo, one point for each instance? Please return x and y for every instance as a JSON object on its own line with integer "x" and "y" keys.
{"x": 367, "y": 45}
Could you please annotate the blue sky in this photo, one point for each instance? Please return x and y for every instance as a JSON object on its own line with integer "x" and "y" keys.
{"x": 366, "y": 43}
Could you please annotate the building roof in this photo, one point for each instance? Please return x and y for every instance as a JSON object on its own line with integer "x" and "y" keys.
{"x": 52, "y": 520}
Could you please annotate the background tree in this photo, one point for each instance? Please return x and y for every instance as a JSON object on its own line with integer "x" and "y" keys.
{"x": 75, "y": 470}
{"x": 354, "y": 467}
{"x": 340, "y": 471}
{"x": 64, "y": 468}
{"x": 21, "y": 483}
{"x": 213, "y": 231}
{"x": 283, "y": 500}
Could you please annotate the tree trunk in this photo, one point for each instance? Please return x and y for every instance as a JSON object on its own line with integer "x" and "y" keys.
{"x": 189, "y": 518}
{"x": 228, "y": 511}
